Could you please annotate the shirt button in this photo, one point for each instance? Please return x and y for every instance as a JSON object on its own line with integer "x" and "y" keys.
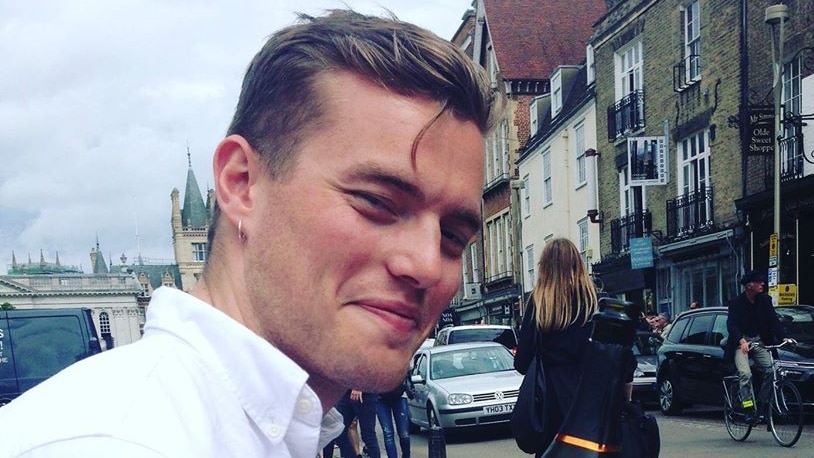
{"x": 304, "y": 406}
{"x": 274, "y": 431}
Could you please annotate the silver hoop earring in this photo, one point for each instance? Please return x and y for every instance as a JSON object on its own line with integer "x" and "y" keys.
{"x": 240, "y": 234}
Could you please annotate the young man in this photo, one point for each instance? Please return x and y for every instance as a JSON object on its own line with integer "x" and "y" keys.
{"x": 347, "y": 189}
{"x": 752, "y": 318}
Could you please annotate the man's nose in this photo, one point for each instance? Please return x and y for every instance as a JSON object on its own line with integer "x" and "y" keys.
{"x": 417, "y": 256}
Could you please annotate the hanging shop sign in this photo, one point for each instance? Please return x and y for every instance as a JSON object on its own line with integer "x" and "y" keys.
{"x": 647, "y": 161}
{"x": 760, "y": 125}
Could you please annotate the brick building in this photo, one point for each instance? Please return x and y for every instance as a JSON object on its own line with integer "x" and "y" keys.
{"x": 670, "y": 75}
{"x": 520, "y": 43}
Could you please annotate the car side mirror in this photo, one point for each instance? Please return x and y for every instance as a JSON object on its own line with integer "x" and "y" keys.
{"x": 723, "y": 342}
{"x": 417, "y": 379}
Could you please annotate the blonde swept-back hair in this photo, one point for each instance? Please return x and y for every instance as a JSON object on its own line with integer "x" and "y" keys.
{"x": 280, "y": 104}
{"x": 564, "y": 293}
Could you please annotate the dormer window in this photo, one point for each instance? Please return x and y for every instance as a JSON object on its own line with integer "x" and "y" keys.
{"x": 590, "y": 66}
{"x": 556, "y": 93}
{"x": 533, "y": 119}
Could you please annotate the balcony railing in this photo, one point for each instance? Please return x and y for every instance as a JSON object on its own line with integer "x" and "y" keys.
{"x": 791, "y": 161}
{"x": 626, "y": 115}
{"x": 686, "y": 72}
{"x": 627, "y": 227}
{"x": 690, "y": 214}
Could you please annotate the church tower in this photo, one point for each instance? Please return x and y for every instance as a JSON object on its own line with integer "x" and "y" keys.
{"x": 190, "y": 225}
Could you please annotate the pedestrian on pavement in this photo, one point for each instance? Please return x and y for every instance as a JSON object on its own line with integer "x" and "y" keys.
{"x": 347, "y": 189}
{"x": 560, "y": 308}
{"x": 393, "y": 408}
{"x": 361, "y": 406}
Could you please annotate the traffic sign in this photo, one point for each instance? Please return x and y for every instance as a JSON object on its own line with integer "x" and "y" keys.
{"x": 772, "y": 276}
{"x": 772, "y": 251}
{"x": 787, "y": 294}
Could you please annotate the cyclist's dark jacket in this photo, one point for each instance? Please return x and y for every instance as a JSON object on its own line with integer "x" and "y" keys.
{"x": 751, "y": 319}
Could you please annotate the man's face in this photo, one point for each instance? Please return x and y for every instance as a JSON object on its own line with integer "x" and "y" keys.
{"x": 755, "y": 286}
{"x": 353, "y": 255}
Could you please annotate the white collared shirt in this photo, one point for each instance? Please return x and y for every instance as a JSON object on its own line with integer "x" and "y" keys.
{"x": 198, "y": 384}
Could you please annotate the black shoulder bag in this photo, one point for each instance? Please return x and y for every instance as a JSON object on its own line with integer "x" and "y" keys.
{"x": 529, "y": 417}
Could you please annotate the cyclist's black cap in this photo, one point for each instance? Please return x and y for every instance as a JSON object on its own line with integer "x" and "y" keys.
{"x": 752, "y": 276}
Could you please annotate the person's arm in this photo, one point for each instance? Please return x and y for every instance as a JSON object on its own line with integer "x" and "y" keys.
{"x": 525, "y": 341}
{"x": 733, "y": 326}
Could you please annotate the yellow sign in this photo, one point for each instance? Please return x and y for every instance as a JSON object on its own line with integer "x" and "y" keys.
{"x": 773, "y": 250}
{"x": 786, "y": 294}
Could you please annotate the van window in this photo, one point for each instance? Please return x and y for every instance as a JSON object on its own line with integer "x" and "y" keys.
{"x": 44, "y": 346}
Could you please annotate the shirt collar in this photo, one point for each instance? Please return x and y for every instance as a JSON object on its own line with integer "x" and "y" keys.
{"x": 270, "y": 387}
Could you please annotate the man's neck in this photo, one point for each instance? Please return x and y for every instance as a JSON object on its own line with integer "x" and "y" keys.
{"x": 751, "y": 296}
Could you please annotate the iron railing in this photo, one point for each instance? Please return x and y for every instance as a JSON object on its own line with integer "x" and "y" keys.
{"x": 627, "y": 227}
{"x": 791, "y": 161}
{"x": 690, "y": 214}
{"x": 626, "y": 115}
{"x": 686, "y": 72}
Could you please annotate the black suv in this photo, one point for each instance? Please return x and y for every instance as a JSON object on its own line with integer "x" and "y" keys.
{"x": 37, "y": 343}
{"x": 691, "y": 359}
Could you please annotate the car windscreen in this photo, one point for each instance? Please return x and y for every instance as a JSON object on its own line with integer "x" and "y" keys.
{"x": 797, "y": 322}
{"x": 471, "y": 361}
{"x": 499, "y": 335}
{"x": 44, "y": 346}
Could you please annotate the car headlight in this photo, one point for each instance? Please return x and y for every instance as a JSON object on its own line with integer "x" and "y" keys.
{"x": 455, "y": 399}
{"x": 638, "y": 373}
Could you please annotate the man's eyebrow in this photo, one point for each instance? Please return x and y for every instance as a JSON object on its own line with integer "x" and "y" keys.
{"x": 375, "y": 174}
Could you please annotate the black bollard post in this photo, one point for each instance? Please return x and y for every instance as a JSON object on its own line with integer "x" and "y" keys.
{"x": 436, "y": 445}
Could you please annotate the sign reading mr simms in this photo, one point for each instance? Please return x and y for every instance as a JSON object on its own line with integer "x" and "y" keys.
{"x": 647, "y": 161}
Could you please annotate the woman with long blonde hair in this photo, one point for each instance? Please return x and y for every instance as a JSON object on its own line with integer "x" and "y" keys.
{"x": 556, "y": 325}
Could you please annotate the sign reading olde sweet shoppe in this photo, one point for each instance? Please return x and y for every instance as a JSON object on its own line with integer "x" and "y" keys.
{"x": 760, "y": 123}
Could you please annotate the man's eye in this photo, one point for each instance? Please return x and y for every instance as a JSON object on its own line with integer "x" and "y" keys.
{"x": 452, "y": 243}
{"x": 375, "y": 207}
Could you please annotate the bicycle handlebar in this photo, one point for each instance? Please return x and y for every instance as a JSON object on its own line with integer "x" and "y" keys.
{"x": 753, "y": 345}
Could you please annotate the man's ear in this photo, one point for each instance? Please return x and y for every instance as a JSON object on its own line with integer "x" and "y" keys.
{"x": 235, "y": 166}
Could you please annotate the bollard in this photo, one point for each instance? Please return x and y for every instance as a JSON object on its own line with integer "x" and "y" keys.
{"x": 436, "y": 444}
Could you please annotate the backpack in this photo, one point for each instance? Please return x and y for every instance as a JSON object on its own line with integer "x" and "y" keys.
{"x": 640, "y": 432}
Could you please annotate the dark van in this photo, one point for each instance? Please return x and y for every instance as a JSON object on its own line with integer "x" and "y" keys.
{"x": 37, "y": 343}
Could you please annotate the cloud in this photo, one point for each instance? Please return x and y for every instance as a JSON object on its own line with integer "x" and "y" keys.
{"x": 99, "y": 101}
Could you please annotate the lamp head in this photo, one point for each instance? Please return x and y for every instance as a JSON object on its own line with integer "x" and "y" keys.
{"x": 775, "y": 14}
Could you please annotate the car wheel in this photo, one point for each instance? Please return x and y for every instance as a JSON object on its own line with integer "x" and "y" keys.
{"x": 432, "y": 419}
{"x": 669, "y": 401}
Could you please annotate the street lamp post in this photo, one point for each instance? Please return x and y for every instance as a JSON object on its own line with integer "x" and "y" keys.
{"x": 776, "y": 17}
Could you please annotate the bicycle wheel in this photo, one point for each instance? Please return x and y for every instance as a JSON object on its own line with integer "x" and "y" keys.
{"x": 786, "y": 418}
{"x": 736, "y": 425}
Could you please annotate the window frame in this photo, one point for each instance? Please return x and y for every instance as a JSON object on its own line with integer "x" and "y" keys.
{"x": 579, "y": 150}
{"x": 691, "y": 31}
{"x": 548, "y": 188}
{"x": 628, "y": 68}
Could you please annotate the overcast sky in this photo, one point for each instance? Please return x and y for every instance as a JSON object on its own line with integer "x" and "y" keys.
{"x": 100, "y": 98}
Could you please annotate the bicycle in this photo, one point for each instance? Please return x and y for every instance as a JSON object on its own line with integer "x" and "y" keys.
{"x": 785, "y": 416}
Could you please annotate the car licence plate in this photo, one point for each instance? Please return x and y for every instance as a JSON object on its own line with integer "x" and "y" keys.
{"x": 501, "y": 408}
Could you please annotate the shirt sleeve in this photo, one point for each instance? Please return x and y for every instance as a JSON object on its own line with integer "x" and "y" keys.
{"x": 732, "y": 325}
{"x": 91, "y": 447}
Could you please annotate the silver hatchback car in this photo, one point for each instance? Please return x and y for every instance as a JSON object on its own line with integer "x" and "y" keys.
{"x": 461, "y": 385}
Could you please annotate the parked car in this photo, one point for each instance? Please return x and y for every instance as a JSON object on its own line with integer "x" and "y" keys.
{"x": 463, "y": 385}
{"x": 478, "y": 333}
{"x": 37, "y": 343}
{"x": 645, "y": 346}
{"x": 691, "y": 358}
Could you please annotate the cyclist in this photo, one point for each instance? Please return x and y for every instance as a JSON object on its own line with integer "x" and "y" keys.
{"x": 752, "y": 319}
